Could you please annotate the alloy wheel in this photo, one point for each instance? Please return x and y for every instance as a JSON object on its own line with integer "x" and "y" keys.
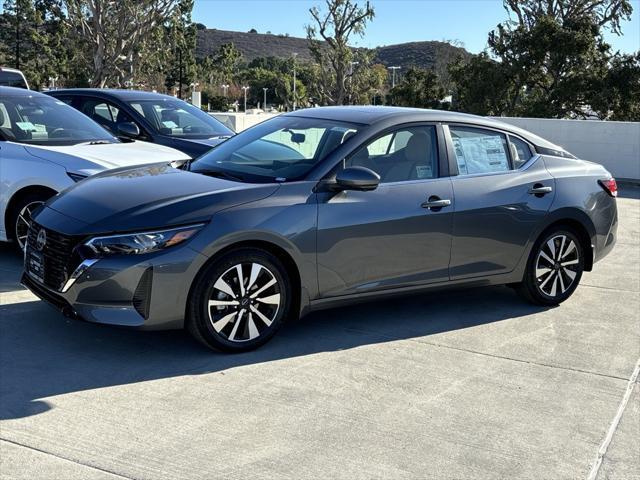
{"x": 23, "y": 222}
{"x": 557, "y": 265}
{"x": 244, "y": 302}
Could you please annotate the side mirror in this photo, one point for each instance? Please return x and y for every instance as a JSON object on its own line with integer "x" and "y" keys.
{"x": 128, "y": 130}
{"x": 357, "y": 178}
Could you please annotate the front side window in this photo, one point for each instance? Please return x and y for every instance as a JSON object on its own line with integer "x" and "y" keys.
{"x": 403, "y": 155}
{"x": 282, "y": 149}
{"x": 176, "y": 118}
{"x": 42, "y": 120}
{"x": 479, "y": 151}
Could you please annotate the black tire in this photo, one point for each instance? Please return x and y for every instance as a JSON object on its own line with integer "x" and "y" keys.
{"x": 226, "y": 335}
{"x": 14, "y": 222}
{"x": 548, "y": 282}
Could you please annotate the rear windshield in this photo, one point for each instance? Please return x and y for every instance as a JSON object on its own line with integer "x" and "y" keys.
{"x": 12, "y": 79}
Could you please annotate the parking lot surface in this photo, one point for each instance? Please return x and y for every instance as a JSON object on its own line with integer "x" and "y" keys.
{"x": 460, "y": 384}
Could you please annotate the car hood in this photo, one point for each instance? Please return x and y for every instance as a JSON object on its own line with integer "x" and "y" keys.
{"x": 130, "y": 199}
{"x": 91, "y": 159}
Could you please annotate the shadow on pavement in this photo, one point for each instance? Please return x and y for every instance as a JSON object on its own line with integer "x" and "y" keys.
{"x": 42, "y": 354}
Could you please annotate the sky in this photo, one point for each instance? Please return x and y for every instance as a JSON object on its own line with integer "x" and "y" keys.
{"x": 396, "y": 21}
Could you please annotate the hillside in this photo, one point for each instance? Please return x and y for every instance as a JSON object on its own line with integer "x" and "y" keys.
{"x": 428, "y": 54}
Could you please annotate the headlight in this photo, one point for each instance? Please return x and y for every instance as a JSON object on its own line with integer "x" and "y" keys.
{"x": 143, "y": 242}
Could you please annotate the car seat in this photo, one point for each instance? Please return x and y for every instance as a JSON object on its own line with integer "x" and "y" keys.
{"x": 417, "y": 153}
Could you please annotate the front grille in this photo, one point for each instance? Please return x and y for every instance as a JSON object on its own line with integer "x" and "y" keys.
{"x": 59, "y": 257}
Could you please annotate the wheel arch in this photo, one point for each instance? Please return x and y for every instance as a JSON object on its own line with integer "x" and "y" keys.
{"x": 299, "y": 296}
{"x": 19, "y": 195}
{"x": 583, "y": 227}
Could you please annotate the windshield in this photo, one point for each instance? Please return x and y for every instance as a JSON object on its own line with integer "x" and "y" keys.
{"x": 282, "y": 149}
{"x": 41, "y": 120}
{"x": 176, "y": 118}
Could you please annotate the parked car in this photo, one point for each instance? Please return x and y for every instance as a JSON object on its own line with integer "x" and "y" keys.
{"x": 150, "y": 117}
{"x": 318, "y": 208}
{"x": 46, "y": 146}
{"x": 10, "y": 77}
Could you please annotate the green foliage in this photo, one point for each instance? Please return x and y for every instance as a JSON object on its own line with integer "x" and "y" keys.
{"x": 617, "y": 95}
{"x": 419, "y": 88}
{"x": 180, "y": 36}
{"x": 551, "y": 62}
{"x": 334, "y": 27}
{"x": 31, "y": 39}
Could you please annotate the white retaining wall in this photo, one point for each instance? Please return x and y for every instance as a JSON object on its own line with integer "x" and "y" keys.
{"x": 616, "y": 145}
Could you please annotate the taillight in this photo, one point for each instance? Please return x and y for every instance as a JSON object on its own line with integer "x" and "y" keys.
{"x": 610, "y": 186}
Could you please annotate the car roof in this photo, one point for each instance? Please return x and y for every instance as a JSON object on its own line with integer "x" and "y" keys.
{"x": 127, "y": 95}
{"x": 371, "y": 115}
{"x": 19, "y": 92}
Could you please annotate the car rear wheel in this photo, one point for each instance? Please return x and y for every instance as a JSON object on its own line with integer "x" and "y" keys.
{"x": 240, "y": 301}
{"x": 554, "y": 268}
{"x": 20, "y": 216}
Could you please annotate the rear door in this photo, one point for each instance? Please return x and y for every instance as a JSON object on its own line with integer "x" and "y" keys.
{"x": 502, "y": 192}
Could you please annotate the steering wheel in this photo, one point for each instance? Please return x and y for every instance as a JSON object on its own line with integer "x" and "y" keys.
{"x": 57, "y": 132}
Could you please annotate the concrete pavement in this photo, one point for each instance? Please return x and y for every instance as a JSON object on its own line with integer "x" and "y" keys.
{"x": 461, "y": 384}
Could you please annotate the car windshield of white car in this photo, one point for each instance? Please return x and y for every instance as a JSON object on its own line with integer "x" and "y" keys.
{"x": 40, "y": 120}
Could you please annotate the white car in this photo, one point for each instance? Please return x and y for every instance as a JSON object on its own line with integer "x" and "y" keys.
{"x": 46, "y": 146}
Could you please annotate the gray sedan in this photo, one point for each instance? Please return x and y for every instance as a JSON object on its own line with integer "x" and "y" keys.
{"x": 319, "y": 208}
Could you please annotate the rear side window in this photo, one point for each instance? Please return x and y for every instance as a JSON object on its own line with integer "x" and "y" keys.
{"x": 520, "y": 152}
{"x": 479, "y": 151}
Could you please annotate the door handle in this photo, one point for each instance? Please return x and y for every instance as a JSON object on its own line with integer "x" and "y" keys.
{"x": 540, "y": 190}
{"x": 436, "y": 203}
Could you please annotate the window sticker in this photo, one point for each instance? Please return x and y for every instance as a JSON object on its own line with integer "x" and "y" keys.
{"x": 170, "y": 124}
{"x": 424, "y": 171}
{"x": 481, "y": 154}
{"x": 26, "y": 126}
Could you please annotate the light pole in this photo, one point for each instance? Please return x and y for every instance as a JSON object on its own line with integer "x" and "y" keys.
{"x": 264, "y": 103}
{"x": 393, "y": 81}
{"x": 351, "y": 79}
{"x": 245, "y": 98}
{"x": 224, "y": 87}
{"x": 295, "y": 54}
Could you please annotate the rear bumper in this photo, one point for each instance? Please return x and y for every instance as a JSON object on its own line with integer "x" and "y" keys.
{"x": 607, "y": 233}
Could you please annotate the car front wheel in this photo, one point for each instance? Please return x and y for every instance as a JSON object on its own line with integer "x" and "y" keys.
{"x": 554, "y": 268}
{"x": 20, "y": 216}
{"x": 240, "y": 301}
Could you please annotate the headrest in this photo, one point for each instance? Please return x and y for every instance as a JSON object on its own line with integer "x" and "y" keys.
{"x": 418, "y": 147}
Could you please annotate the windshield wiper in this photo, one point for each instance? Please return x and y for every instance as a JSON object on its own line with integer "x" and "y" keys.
{"x": 220, "y": 174}
{"x": 95, "y": 142}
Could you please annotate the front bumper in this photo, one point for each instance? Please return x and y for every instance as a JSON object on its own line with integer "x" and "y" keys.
{"x": 146, "y": 291}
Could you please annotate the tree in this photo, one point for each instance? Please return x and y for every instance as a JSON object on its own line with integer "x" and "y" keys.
{"x": 342, "y": 19}
{"x": 419, "y": 88}
{"x": 31, "y": 34}
{"x": 546, "y": 59}
{"x": 114, "y": 31}
{"x": 180, "y": 34}
{"x": 617, "y": 95}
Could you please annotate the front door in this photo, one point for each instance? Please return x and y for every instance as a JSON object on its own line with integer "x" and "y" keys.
{"x": 398, "y": 235}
